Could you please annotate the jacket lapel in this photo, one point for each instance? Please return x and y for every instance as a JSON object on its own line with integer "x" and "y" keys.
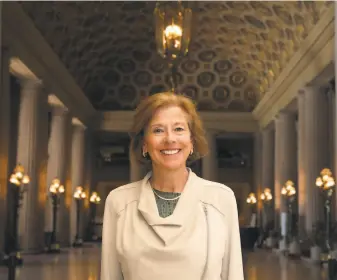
{"x": 170, "y": 227}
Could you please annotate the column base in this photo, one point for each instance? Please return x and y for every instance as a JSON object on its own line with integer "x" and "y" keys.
{"x": 12, "y": 258}
{"x": 283, "y": 245}
{"x": 78, "y": 242}
{"x": 315, "y": 254}
{"x": 294, "y": 249}
{"x": 53, "y": 248}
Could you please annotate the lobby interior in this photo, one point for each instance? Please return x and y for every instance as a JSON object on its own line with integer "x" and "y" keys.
{"x": 262, "y": 75}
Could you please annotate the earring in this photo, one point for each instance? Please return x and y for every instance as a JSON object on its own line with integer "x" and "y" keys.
{"x": 191, "y": 152}
{"x": 144, "y": 154}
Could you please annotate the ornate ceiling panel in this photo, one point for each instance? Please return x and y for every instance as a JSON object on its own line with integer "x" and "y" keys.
{"x": 238, "y": 49}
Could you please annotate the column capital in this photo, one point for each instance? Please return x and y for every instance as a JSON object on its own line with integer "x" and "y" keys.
{"x": 59, "y": 111}
{"x": 77, "y": 122}
{"x": 54, "y": 102}
{"x": 31, "y": 84}
{"x": 310, "y": 88}
{"x": 284, "y": 114}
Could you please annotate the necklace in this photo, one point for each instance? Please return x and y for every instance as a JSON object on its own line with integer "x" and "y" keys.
{"x": 163, "y": 198}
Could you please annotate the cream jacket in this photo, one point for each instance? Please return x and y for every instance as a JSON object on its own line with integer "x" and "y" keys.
{"x": 199, "y": 241}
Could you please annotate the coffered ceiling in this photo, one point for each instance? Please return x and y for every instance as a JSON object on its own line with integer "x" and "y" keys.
{"x": 238, "y": 49}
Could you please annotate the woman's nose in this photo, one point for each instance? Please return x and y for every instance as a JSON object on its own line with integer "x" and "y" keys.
{"x": 170, "y": 137}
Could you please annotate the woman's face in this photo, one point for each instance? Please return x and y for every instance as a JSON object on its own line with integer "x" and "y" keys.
{"x": 168, "y": 138}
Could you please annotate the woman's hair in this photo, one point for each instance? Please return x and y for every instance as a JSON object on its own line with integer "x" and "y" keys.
{"x": 146, "y": 110}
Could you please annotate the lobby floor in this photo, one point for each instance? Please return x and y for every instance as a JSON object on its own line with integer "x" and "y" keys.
{"x": 83, "y": 264}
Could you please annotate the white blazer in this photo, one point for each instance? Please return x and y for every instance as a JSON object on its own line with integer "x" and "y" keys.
{"x": 199, "y": 241}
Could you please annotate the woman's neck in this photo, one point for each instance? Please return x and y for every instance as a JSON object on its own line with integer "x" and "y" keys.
{"x": 169, "y": 181}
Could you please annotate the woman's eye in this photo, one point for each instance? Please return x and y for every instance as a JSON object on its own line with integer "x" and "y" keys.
{"x": 179, "y": 129}
{"x": 157, "y": 130}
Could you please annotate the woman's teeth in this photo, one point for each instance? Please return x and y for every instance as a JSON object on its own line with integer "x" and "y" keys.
{"x": 170, "y": 152}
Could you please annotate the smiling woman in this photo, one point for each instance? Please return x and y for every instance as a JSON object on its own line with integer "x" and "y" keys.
{"x": 161, "y": 109}
{"x": 171, "y": 224}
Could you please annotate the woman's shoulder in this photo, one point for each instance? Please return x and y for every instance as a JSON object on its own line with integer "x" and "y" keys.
{"x": 119, "y": 197}
{"x": 218, "y": 195}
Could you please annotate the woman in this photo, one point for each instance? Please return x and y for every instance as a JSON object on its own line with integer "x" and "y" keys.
{"x": 172, "y": 225}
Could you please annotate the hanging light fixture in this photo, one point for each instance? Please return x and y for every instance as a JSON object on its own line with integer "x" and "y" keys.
{"x": 173, "y": 21}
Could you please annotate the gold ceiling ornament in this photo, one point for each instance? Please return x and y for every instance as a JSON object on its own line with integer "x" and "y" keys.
{"x": 173, "y": 22}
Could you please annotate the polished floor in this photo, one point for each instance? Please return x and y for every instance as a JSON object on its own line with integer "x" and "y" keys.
{"x": 83, "y": 264}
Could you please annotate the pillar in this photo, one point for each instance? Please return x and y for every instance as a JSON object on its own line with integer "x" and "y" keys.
{"x": 33, "y": 154}
{"x": 301, "y": 156}
{"x": 56, "y": 163}
{"x": 88, "y": 183}
{"x": 335, "y": 115}
{"x": 210, "y": 161}
{"x": 77, "y": 170}
{"x": 267, "y": 179}
{"x": 257, "y": 168}
{"x": 315, "y": 150}
{"x": 5, "y": 141}
{"x": 285, "y": 161}
{"x": 136, "y": 169}
{"x": 65, "y": 209}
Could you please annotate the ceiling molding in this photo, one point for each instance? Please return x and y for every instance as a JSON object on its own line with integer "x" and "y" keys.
{"x": 30, "y": 47}
{"x": 221, "y": 121}
{"x": 315, "y": 55}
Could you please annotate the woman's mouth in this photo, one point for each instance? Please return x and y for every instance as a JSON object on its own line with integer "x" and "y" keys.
{"x": 170, "y": 152}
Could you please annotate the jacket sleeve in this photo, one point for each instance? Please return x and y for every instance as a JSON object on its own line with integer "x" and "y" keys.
{"x": 232, "y": 268}
{"x": 110, "y": 267}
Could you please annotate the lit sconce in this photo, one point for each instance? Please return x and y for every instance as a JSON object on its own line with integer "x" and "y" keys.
{"x": 266, "y": 196}
{"x": 289, "y": 192}
{"x": 56, "y": 187}
{"x": 94, "y": 198}
{"x": 251, "y": 199}
{"x": 288, "y": 189}
{"x": 19, "y": 177}
{"x": 79, "y": 193}
{"x": 79, "y": 196}
{"x": 55, "y": 190}
{"x": 325, "y": 181}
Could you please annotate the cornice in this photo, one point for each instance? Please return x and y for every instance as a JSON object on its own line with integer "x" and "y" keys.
{"x": 314, "y": 56}
{"x": 29, "y": 46}
{"x": 230, "y": 122}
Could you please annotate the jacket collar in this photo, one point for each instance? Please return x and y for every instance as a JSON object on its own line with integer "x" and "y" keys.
{"x": 184, "y": 208}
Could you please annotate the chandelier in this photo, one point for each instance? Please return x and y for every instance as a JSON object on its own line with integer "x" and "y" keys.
{"x": 173, "y": 22}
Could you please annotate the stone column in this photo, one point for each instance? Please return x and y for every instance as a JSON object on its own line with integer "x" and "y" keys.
{"x": 335, "y": 115}
{"x": 77, "y": 169}
{"x": 315, "y": 150}
{"x": 64, "y": 212}
{"x": 136, "y": 169}
{"x": 209, "y": 163}
{"x": 33, "y": 155}
{"x": 257, "y": 167}
{"x": 268, "y": 150}
{"x": 56, "y": 162}
{"x": 301, "y": 156}
{"x": 88, "y": 183}
{"x": 5, "y": 141}
{"x": 285, "y": 161}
